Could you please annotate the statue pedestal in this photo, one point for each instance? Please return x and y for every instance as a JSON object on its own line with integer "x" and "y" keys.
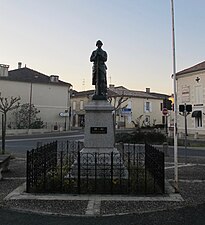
{"x": 99, "y": 130}
{"x": 99, "y": 157}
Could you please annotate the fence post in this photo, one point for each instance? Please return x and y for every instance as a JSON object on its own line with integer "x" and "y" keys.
{"x": 67, "y": 153}
{"x": 111, "y": 188}
{"x": 129, "y": 171}
{"x": 145, "y": 178}
{"x": 61, "y": 168}
{"x": 44, "y": 162}
{"x": 95, "y": 172}
{"x": 123, "y": 157}
{"x": 163, "y": 175}
{"x": 79, "y": 173}
{"x": 28, "y": 172}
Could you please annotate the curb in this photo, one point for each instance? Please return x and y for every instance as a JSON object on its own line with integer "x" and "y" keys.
{"x": 93, "y": 201}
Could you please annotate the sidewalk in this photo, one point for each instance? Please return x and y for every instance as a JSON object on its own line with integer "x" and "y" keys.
{"x": 191, "y": 184}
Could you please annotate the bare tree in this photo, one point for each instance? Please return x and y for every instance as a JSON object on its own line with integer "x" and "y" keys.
{"x": 5, "y": 106}
{"x": 137, "y": 122}
{"x": 117, "y": 102}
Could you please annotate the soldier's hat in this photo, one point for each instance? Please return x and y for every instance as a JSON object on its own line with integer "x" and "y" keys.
{"x": 99, "y": 42}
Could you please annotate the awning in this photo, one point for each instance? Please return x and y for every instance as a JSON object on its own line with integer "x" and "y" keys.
{"x": 196, "y": 114}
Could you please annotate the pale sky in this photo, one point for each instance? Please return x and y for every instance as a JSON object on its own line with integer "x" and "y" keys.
{"x": 58, "y": 36}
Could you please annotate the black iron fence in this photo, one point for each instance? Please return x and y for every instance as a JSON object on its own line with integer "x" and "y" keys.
{"x": 62, "y": 167}
{"x": 154, "y": 163}
{"x": 40, "y": 162}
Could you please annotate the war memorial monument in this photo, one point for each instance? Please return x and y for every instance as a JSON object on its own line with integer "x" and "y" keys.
{"x": 99, "y": 140}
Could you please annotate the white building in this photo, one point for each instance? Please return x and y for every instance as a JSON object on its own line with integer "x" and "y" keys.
{"x": 191, "y": 91}
{"x": 48, "y": 94}
{"x": 144, "y": 107}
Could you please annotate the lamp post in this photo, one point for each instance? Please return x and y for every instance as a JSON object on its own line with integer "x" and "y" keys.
{"x": 176, "y": 185}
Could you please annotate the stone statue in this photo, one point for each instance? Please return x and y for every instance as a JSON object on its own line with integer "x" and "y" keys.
{"x": 99, "y": 79}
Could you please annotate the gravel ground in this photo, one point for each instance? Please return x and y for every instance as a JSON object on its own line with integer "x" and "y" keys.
{"x": 17, "y": 168}
{"x": 51, "y": 206}
{"x": 7, "y": 186}
{"x": 13, "y": 178}
{"x": 193, "y": 193}
{"x": 118, "y": 207}
{"x": 191, "y": 189}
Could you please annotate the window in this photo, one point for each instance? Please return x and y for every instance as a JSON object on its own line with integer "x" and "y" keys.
{"x": 81, "y": 104}
{"x": 197, "y": 114}
{"x": 185, "y": 93}
{"x": 148, "y": 107}
{"x": 198, "y": 95}
{"x": 198, "y": 122}
{"x": 74, "y": 105}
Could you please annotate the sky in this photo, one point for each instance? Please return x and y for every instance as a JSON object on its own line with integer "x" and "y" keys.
{"x": 57, "y": 37}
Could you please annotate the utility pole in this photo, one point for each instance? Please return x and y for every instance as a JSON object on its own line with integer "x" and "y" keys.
{"x": 176, "y": 179}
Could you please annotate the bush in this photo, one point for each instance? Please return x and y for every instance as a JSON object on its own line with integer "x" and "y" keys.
{"x": 138, "y": 137}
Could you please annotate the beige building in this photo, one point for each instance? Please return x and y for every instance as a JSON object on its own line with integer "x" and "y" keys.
{"x": 47, "y": 93}
{"x": 191, "y": 91}
{"x": 131, "y": 107}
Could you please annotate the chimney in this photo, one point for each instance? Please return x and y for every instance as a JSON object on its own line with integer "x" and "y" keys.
{"x": 4, "y": 70}
{"x": 19, "y": 65}
{"x": 111, "y": 86}
{"x": 54, "y": 78}
{"x": 147, "y": 90}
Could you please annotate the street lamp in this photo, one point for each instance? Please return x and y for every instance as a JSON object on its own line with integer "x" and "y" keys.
{"x": 176, "y": 185}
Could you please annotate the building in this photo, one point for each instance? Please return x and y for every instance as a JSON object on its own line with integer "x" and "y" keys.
{"x": 191, "y": 91}
{"x": 131, "y": 108}
{"x": 48, "y": 94}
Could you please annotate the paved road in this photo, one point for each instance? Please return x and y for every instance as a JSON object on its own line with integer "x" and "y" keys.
{"x": 20, "y": 144}
{"x": 182, "y": 216}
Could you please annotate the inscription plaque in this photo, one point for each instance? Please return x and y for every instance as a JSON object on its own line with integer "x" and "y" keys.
{"x": 98, "y": 130}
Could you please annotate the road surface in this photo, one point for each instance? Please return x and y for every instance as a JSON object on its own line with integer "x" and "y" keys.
{"x": 181, "y": 216}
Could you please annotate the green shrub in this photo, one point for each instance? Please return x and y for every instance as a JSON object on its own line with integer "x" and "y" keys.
{"x": 139, "y": 137}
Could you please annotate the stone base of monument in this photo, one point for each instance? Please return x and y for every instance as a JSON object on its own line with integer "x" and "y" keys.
{"x": 94, "y": 164}
{"x": 99, "y": 158}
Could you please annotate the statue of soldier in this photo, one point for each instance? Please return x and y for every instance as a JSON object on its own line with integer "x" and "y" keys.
{"x": 99, "y": 79}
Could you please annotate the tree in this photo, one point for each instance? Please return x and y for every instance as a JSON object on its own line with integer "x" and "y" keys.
{"x": 137, "y": 122}
{"x": 117, "y": 102}
{"x": 5, "y": 106}
{"x": 26, "y": 117}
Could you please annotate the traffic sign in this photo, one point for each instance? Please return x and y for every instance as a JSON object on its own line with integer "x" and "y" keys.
{"x": 64, "y": 114}
{"x": 164, "y": 111}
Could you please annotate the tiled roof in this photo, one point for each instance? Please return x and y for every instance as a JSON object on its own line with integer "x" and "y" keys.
{"x": 82, "y": 93}
{"x": 28, "y": 75}
{"x": 140, "y": 94}
{"x": 119, "y": 91}
{"x": 198, "y": 67}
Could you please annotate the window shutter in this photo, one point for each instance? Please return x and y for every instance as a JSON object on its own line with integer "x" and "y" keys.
{"x": 150, "y": 106}
{"x": 145, "y": 107}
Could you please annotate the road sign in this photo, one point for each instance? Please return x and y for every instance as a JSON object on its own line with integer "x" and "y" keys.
{"x": 126, "y": 111}
{"x": 64, "y": 114}
{"x": 164, "y": 111}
